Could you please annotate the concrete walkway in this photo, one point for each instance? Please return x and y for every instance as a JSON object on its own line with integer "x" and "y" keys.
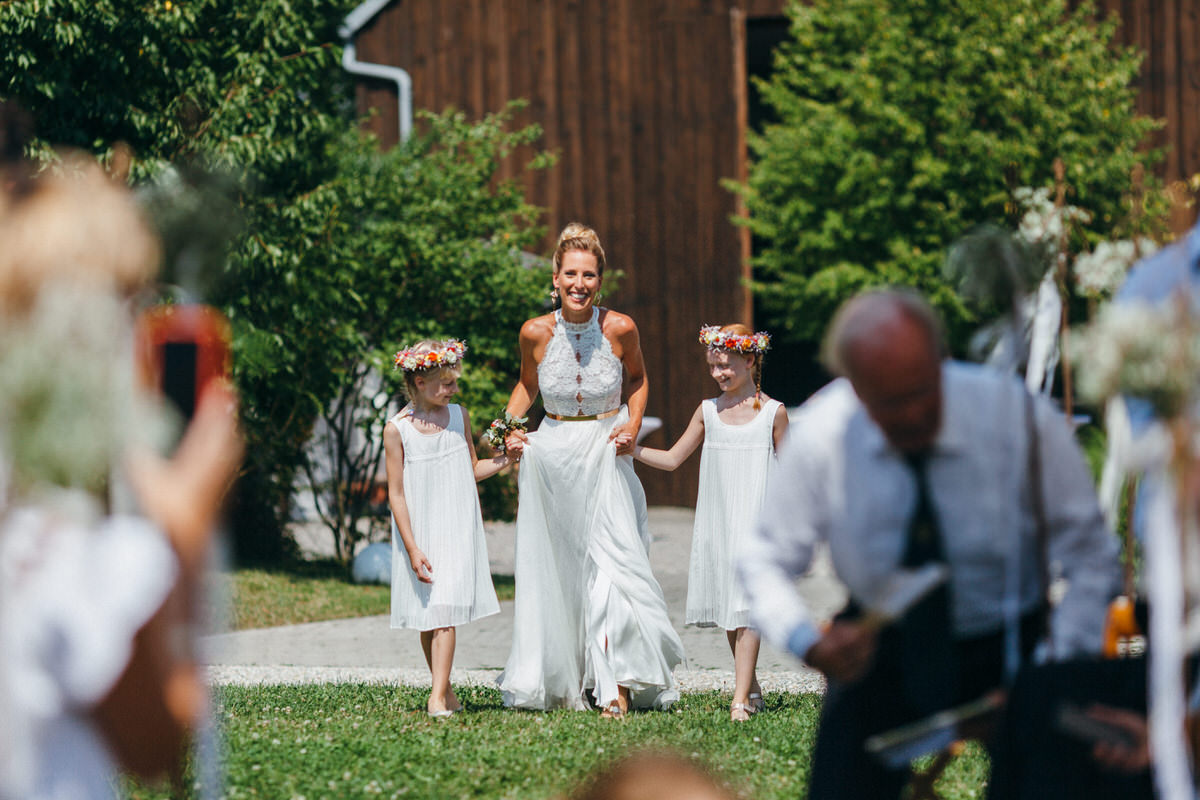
{"x": 368, "y": 643}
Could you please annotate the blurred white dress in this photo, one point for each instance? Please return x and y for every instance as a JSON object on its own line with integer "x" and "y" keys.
{"x": 734, "y": 466}
{"x": 74, "y": 591}
{"x": 443, "y": 507}
{"x": 589, "y": 613}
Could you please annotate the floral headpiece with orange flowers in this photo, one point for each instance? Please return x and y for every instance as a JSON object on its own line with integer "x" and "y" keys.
{"x": 712, "y": 337}
{"x": 449, "y": 354}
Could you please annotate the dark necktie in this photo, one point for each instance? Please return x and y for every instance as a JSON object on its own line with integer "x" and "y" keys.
{"x": 929, "y": 660}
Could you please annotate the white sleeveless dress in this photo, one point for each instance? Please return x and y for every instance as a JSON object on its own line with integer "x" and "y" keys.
{"x": 589, "y": 613}
{"x": 443, "y": 507}
{"x": 734, "y": 467}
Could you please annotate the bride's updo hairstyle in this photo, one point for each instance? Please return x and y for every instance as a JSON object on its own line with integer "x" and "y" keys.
{"x": 577, "y": 236}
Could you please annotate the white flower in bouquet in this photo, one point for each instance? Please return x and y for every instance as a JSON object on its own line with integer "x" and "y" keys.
{"x": 1140, "y": 350}
{"x": 68, "y": 407}
{"x": 1099, "y": 274}
{"x": 1044, "y": 223}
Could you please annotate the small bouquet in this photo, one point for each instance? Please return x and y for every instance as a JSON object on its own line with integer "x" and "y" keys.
{"x": 498, "y": 431}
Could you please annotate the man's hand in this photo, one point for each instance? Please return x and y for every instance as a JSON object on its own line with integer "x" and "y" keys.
{"x": 1118, "y": 757}
{"x": 844, "y": 652}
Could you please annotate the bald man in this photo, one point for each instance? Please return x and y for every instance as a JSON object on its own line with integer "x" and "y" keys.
{"x": 911, "y": 459}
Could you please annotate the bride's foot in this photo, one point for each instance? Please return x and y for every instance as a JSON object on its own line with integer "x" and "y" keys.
{"x": 618, "y": 708}
{"x": 614, "y": 711}
{"x": 740, "y": 712}
{"x": 756, "y": 701}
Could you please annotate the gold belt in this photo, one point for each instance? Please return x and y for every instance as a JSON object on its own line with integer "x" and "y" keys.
{"x": 584, "y": 418}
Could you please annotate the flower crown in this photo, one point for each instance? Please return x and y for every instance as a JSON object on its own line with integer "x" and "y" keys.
{"x": 712, "y": 337}
{"x": 448, "y": 355}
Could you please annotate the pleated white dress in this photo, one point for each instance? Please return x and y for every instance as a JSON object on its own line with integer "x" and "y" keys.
{"x": 589, "y": 613}
{"x": 734, "y": 466}
{"x": 443, "y": 507}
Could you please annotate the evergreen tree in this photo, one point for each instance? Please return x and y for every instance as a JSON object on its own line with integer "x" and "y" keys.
{"x": 901, "y": 124}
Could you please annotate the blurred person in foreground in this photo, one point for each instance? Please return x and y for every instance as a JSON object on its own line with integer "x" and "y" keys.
{"x": 910, "y": 460}
{"x": 652, "y": 776}
{"x": 97, "y": 673}
{"x": 1046, "y": 762}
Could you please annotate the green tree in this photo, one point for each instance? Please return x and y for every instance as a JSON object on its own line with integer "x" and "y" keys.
{"x": 343, "y": 252}
{"x": 901, "y": 124}
{"x": 418, "y": 242}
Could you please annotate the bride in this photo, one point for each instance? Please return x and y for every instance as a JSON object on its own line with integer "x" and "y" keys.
{"x": 589, "y": 613}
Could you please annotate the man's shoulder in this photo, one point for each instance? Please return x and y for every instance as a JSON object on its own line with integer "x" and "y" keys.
{"x": 977, "y": 389}
{"x": 823, "y": 417}
{"x": 964, "y": 376}
{"x": 1155, "y": 277}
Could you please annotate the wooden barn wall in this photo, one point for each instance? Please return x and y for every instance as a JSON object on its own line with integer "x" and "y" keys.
{"x": 1168, "y": 33}
{"x": 639, "y": 98}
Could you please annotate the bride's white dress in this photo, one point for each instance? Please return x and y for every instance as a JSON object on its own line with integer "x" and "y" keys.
{"x": 589, "y": 613}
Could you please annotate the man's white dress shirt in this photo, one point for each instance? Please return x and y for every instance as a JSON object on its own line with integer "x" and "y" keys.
{"x": 839, "y": 480}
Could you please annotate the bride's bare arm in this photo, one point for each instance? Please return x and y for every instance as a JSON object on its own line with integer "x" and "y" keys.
{"x": 623, "y": 332}
{"x": 535, "y": 334}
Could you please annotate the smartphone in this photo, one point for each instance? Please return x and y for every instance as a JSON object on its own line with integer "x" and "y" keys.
{"x": 181, "y": 348}
{"x": 1075, "y": 721}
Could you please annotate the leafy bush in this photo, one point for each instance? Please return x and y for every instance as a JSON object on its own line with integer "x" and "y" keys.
{"x": 903, "y": 123}
{"x": 343, "y": 252}
{"x": 417, "y": 242}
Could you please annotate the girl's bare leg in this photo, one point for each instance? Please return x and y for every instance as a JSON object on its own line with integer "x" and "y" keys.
{"x": 744, "y": 643}
{"x": 440, "y": 657}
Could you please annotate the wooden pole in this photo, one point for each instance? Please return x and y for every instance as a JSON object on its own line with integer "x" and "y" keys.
{"x": 737, "y": 29}
{"x": 1060, "y": 194}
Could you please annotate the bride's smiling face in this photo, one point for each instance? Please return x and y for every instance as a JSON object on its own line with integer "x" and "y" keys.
{"x": 577, "y": 281}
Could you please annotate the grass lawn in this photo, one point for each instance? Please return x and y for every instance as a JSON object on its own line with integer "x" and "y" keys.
{"x": 308, "y": 591}
{"x": 333, "y": 741}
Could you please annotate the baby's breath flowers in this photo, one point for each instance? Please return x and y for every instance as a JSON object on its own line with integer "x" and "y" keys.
{"x": 1142, "y": 351}
{"x": 1100, "y": 273}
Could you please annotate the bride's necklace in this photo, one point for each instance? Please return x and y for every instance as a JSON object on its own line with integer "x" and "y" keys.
{"x": 575, "y": 331}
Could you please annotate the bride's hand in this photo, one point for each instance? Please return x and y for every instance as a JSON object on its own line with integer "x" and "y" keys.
{"x": 625, "y": 436}
{"x": 514, "y": 444}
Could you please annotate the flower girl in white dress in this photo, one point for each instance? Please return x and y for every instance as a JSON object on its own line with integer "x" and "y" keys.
{"x": 440, "y": 575}
{"x": 741, "y": 431}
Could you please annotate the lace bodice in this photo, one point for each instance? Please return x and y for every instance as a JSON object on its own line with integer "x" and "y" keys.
{"x": 579, "y": 374}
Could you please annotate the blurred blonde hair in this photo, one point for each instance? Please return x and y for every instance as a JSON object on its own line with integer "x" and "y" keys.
{"x": 577, "y": 236}
{"x": 73, "y": 245}
{"x": 73, "y": 226}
